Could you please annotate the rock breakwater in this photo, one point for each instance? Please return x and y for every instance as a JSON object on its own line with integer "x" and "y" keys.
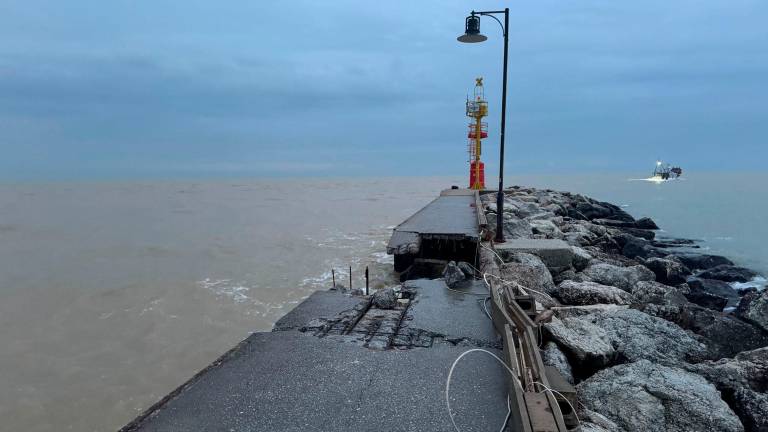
{"x": 652, "y": 332}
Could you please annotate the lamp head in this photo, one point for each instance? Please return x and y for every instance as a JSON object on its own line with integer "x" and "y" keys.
{"x": 472, "y": 30}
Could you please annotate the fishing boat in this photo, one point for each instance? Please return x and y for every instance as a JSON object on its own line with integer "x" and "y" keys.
{"x": 665, "y": 172}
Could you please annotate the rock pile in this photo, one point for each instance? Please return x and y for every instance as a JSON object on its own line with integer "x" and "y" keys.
{"x": 652, "y": 333}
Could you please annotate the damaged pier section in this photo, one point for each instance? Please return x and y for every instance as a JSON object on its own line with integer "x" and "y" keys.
{"x": 340, "y": 362}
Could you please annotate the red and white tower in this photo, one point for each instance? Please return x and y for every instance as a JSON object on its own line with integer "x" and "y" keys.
{"x": 477, "y": 108}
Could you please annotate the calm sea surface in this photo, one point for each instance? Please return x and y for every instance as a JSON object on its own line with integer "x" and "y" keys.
{"x": 112, "y": 294}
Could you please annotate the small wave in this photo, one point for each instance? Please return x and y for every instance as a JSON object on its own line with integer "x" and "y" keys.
{"x": 223, "y": 287}
{"x": 758, "y": 282}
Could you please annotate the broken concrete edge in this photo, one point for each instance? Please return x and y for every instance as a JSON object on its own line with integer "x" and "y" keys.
{"x": 157, "y": 406}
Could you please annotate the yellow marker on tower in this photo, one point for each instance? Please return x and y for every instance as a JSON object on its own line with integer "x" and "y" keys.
{"x": 477, "y": 108}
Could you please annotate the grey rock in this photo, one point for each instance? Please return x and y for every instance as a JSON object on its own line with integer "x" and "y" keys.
{"x": 636, "y": 335}
{"x": 646, "y": 223}
{"x": 707, "y": 300}
{"x": 700, "y": 288}
{"x": 517, "y": 228}
{"x": 754, "y": 308}
{"x": 643, "y": 396}
{"x": 620, "y": 277}
{"x": 599, "y": 339}
{"x": 586, "y": 344}
{"x": 569, "y": 274}
{"x": 581, "y": 258}
{"x": 467, "y": 269}
{"x": 452, "y": 274}
{"x": 658, "y": 293}
{"x": 752, "y": 409}
{"x": 546, "y": 227}
{"x": 615, "y": 223}
{"x": 595, "y": 422}
{"x": 696, "y": 261}
{"x": 724, "y": 334}
{"x": 589, "y": 293}
{"x": 743, "y": 380}
{"x": 575, "y": 238}
{"x": 641, "y": 233}
{"x": 529, "y": 271}
{"x": 748, "y": 369}
{"x": 728, "y": 273}
{"x": 668, "y": 271}
{"x": 596, "y": 210}
{"x": 385, "y": 298}
{"x": 527, "y": 209}
{"x": 579, "y": 235}
{"x": 640, "y": 248}
{"x": 599, "y": 256}
{"x": 552, "y": 356}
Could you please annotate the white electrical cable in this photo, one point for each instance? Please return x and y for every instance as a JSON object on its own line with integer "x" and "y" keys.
{"x": 520, "y": 286}
{"x": 450, "y": 374}
{"x": 509, "y": 414}
{"x": 494, "y": 252}
{"x": 485, "y": 308}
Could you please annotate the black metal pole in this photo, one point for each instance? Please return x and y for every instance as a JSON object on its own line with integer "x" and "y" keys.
{"x": 500, "y": 195}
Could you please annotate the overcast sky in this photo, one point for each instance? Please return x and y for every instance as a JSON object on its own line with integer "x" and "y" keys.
{"x": 145, "y": 89}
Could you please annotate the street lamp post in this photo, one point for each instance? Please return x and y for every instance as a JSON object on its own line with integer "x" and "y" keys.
{"x": 472, "y": 35}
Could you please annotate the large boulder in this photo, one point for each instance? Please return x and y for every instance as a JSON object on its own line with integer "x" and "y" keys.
{"x": 529, "y": 271}
{"x": 598, "y": 339}
{"x": 467, "y": 269}
{"x": 696, "y": 261}
{"x": 754, "y": 308}
{"x": 668, "y": 271}
{"x": 704, "y": 288}
{"x": 591, "y": 209}
{"x": 658, "y": 293}
{"x": 516, "y": 228}
{"x": 600, "y": 256}
{"x": 636, "y": 247}
{"x": 752, "y": 409}
{"x": 724, "y": 334}
{"x": 743, "y": 381}
{"x": 647, "y": 397}
{"x": 728, "y": 273}
{"x": 581, "y": 258}
{"x": 646, "y": 223}
{"x": 588, "y": 293}
{"x": 636, "y": 335}
{"x": 453, "y": 274}
{"x": 385, "y": 298}
{"x": 748, "y": 369}
{"x": 620, "y": 277}
{"x": 587, "y": 345}
{"x": 546, "y": 228}
{"x": 552, "y": 356}
{"x": 641, "y": 233}
{"x": 707, "y": 300}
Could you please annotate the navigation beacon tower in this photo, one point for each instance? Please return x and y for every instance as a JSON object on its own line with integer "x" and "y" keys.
{"x": 477, "y": 108}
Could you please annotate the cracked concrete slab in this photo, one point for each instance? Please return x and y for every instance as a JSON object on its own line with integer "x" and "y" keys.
{"x": 454, "y": 315}
{"x": 321, "y": 304}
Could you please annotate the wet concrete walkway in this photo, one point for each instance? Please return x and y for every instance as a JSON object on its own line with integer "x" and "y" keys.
{"x": 306, "y": 376}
